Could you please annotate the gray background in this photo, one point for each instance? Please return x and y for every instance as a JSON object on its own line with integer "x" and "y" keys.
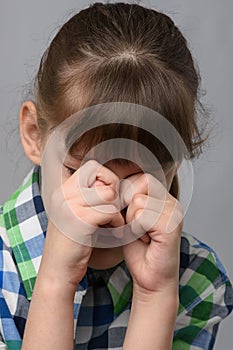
{"x": 26, "y": 28}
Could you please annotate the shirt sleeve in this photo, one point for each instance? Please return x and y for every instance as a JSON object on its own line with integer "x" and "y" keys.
{"x": 206, "y": 297}
{"x": 2, "y": 344}
{"x": 10, "y": 294}
{"x": 198, "y": 325}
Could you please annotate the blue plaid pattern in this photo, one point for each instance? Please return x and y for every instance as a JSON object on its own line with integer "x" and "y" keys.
{"x": 103, "y": 298}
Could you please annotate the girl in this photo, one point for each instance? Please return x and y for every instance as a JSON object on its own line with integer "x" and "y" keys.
{"x": 160, "y": 291}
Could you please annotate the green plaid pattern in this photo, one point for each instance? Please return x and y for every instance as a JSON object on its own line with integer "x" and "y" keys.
{"x": 103, "y": 298}
{"x": 14, "y": 214}
{"x": 120, "y": 287}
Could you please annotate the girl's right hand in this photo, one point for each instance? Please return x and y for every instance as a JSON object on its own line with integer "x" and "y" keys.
{"x": 65, "y": 260}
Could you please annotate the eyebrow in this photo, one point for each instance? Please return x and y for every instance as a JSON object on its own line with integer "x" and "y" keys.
{"x": 76, "y": 156}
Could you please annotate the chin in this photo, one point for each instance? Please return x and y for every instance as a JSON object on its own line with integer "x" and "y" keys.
{"x": 105, "y": 258}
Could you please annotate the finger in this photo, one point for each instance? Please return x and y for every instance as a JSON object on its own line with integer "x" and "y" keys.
{"x": 92, "y": 174}
{"x": 148, "y": 221}
{"x": 88, "y": 174}
{"x": 92, "y": 171}
{"x": 115, "y": 223}
{"x": 104, "y": 214}
{"x": 129, "y": 250}
{"x": 141, "y": 201}
{"x": 88, "y": 197}
{"x": 144, "y": 221}
{"x": 176, "y": 219}
{"x": 117, "y": 220}
{"x": 99, "y": 195}
{"x": 144, "y": 184}
{"x": 88, "y": 219}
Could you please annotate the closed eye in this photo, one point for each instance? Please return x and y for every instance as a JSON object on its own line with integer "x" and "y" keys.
{"x": 138, "y": 172}
{"x": 70, "y": 170}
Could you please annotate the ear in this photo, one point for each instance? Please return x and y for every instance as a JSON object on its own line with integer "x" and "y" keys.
{"x": 29, "y": 132}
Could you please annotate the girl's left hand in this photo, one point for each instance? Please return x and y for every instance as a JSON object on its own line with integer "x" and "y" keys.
{"x": 153, "y": 259}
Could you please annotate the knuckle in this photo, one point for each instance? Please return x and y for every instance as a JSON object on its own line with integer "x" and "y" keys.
{"x": 179, "y": 218}
{"x": 92, "y": 162}
{"x": 137, "y": 200}
{"x": 180, "y": 211}
{"x": 110, "y": 194}
{"x": 144, "y": 179}
{"x": 149, "y": 177}
{"x": 179, "y": 207}
{"x": 81, "y": 214}
{"x": 138, "y": 214}
{"x": 141, "y": 180}
{"x": 115, "y": 178}
{"x": 174, "y": 203}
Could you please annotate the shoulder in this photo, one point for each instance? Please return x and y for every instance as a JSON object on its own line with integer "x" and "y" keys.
{"x": 4, "y": 240}
{"x": 200, "y": 258}
{"x": 10, "y": 280}
{"x": 205, "y": 295}
{"x": 202, "y": 276}
{"x": 12, "y": 299}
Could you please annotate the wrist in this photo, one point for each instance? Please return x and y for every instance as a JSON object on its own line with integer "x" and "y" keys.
{"x": 152, "y": 311}
{"x": 169, "y": 296}
{"x": 49, "y": 285}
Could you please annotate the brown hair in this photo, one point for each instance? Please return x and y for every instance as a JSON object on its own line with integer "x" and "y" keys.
{"x": 124, "y": 52}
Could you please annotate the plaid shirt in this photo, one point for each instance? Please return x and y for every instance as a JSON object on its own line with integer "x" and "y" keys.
{"x": 103, "y": 298}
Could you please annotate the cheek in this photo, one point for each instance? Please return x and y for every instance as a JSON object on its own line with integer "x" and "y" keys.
{"x": 63, "y": 180}
{"x": 65, "y": 175}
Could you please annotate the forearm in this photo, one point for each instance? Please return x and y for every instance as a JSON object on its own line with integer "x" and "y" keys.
{"x": 50, "y": 319}
{"x": 151, "y": 323}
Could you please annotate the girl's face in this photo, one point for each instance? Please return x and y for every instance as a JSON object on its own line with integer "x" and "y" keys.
{"x": 33, "y": 142}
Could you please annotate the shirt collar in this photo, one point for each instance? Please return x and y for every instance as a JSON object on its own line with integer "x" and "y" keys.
{"x": 118, "y": 281}
{"x": 26, "y": 224}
